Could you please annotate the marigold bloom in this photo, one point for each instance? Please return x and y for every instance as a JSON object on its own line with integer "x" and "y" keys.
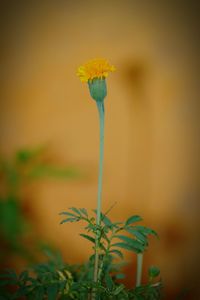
{"x": 94, "y": 69}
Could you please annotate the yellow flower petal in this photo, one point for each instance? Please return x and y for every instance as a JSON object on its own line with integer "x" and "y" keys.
{"x": 96, "y": 68}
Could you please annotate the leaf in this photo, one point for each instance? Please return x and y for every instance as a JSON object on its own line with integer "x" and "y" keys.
{"x": 133, "y": 248}
{"x": 52, "y": 292}
{"x": 133, "y": 219}
{"x": 146, "y": 230}
{"x": 109, "y": 281}
{"x": 25, "y": 155}
{"x": 123, "y": 245}
{"x": 45, "y": 170}
{"x": 118, "y": 289}
{"x": 119, "y": 253}
{"x": 69, "y": 220}
{"x": 67, "y": 213}
{"x": 84, "y": 211}
{"x": 138, "y": 234}
{"x": 105, "y": 219}
{"x": 116, "y": 224}
{"x": 105, "y": 237}
{"x": 76, "y": 210}
{"x": 88, "y": 237}
{"x": 132, "y": 242}
{"x": 11, "y": 219}
{"x": 153, "y": 271}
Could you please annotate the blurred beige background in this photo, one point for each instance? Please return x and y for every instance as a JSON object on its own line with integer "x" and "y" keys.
{"x": 151, "y": 140}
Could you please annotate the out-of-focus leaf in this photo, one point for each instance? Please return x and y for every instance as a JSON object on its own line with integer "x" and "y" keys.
{"x": 133, "y": 219}
{"x": 25, "y": 155}
{"x": 84, "y": 212}
{"x": 52, "y": 292}
{"x": 123, "y": 245}
{"x": 118, "y": 289}
{"x": 69, "y": 220}
{"x": 109, "y": 281}
{"x": 117, "y": 252}
{"x": 146, "y": 230}
{"x": 76, "y": 210}
{"x": 11, "y": 220}
{"x": 88, "y": 237}
{"x": 44, "y": 170}
{"x": 67, "y": 213}
{"x": 138, "y": 234}
{"x": 105, "y": 219}
{"x": 153, "y": 271}
{"x": 134, "y": 248}
{"x": 132, "y": 242}
{"x": 11, "y": 175}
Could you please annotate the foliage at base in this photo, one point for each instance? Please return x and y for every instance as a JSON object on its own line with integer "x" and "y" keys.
{"x": 55, "y": 280}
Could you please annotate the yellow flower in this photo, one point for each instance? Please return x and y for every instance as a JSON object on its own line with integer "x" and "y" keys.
{"x": 94, "y": 69}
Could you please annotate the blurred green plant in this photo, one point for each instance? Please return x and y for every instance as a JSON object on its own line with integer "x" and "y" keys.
{"x": 56, "y": 280}
{"x": 26, "y": 166}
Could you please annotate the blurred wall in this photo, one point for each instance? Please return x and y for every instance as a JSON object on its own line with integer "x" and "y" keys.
{"x": 151, "y": 139}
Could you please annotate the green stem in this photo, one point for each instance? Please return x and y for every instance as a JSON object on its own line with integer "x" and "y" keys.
{"x": 139, "y": 269}
{"x": 100, "y": 106}
{"x": 109, "y": 244}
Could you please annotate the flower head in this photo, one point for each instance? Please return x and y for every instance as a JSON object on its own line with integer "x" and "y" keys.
{"x": 94, "y": 69}
{"x": 94, "y": 73}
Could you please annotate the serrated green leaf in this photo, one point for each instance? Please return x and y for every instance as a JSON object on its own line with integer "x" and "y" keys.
{"x": 133, "y": 219}
{"x": 88, "y": 237}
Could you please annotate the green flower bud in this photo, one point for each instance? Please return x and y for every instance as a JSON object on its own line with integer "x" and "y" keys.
{"x": 98, "y": 89}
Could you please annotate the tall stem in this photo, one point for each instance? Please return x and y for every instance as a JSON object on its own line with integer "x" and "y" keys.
{"x": 100, "y": 106}
{"x": 139, "y": 268}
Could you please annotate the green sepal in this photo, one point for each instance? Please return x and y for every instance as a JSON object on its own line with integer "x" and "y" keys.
{"x": 98, "y": 89}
